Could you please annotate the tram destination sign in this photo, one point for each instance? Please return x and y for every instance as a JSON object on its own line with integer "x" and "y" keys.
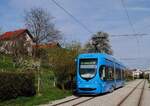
{"x": 88, "y": 63}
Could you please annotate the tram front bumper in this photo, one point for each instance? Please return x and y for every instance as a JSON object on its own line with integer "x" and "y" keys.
{"x": 88, "y": 89}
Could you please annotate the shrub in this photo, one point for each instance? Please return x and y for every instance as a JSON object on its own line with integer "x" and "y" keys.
{"x": 62, "y": 62}
{"x": 17, "y": 84}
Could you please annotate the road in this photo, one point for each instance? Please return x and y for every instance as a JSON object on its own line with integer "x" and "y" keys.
{"x": 134, "y": 93}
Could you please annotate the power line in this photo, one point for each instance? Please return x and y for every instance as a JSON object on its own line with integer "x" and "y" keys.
{"x": 129, "y": 20}
{"x": 73, "y": 17}
{"x": 136, "y": 58}
{"x": 87, "y": 29}
{"x": 128, "y": 35}
{"x": 132, "y": 27}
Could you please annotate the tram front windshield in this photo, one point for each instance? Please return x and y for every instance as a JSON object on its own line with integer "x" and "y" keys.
{"x": 87, "y": 68}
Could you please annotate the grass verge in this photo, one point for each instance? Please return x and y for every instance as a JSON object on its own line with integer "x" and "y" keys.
{"x": 49, "y": 95}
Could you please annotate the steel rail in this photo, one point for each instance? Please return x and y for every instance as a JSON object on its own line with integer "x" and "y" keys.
{"x": 66, "y": 101}
{"x": 141, "y": 95}
{"x": 122, "y": 101}
{"x": 83, "y": 101}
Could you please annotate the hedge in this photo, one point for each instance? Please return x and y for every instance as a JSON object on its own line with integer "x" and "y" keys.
{"x": 14, "y": 84}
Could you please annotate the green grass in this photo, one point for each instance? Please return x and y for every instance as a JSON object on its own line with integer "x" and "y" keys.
{"x": 49, "y": 95}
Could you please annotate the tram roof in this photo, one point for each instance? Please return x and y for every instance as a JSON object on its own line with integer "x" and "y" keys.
{"x": 100, "y": 55}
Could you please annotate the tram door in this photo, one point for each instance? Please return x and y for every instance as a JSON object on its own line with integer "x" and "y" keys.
{"x": 107, "y": 75}
{"x": 102, "y": 72}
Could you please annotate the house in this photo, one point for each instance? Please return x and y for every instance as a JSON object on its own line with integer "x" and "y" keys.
{"x": 13, "y": 39}
{"x": 136, "y": 73}
{"x": 22, "y": 40}
{"x": 147, "y": 73}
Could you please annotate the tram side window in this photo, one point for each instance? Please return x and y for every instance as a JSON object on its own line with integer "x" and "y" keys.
{"x": 110, "y": 73}
{"x": 123, "y": 74}
{"x": 106, "y": 73}
{"x": 118, "y": 74}
{"x": 102, "y": 72}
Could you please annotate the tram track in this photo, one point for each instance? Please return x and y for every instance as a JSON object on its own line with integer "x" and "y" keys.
{"x": 66, "y": 101}
{"x": 72, "y": 100}
{"x": 141, "y": 95}
{"x": 131, "y": 92}
{"x": 134, "y": 95}
{"x": 83, "y": 101}
{"x": 74, "y": 104}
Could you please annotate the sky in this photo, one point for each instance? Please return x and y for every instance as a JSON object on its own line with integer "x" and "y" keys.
{"x": 98, "y": 15}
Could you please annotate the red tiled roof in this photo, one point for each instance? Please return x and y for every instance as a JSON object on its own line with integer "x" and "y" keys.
{"x": 11, "y": 34}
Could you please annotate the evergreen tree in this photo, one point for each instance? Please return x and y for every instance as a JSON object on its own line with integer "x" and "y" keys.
{"x": 99, "y": 43}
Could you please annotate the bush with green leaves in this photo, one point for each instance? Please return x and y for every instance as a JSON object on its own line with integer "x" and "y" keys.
{"x": 14, "y": 84}
{"x": 63, "y": 64}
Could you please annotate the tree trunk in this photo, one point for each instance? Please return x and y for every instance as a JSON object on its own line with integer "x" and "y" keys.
{"x": 39, "y": 82}
{"x": 63, "y": 87}
{"x": 54, "y": 83}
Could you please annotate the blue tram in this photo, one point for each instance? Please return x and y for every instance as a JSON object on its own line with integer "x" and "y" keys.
{"x": 98, "y": 73}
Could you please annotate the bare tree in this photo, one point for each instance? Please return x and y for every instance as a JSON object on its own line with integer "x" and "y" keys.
{"x": 40, "y": 24}
{"x": 74, "y": 45}
{"x": 99, "y": 43}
